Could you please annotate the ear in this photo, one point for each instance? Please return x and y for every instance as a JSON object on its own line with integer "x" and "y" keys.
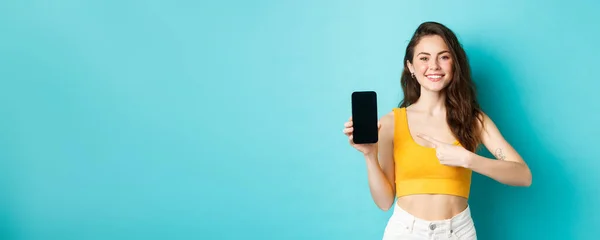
{"x": 411, "y": 68}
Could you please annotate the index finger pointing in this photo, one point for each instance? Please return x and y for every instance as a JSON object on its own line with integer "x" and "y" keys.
{"x": 429, "y": 139}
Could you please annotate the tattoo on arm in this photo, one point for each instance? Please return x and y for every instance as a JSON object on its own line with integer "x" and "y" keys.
{"x": 500, "y": 155}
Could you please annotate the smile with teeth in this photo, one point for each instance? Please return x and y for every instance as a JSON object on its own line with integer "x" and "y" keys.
{"x": 434, "y": 77}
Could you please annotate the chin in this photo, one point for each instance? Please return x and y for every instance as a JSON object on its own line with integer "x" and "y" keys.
{"x": 435, "y": 87}
{"x": 436, "y": 90}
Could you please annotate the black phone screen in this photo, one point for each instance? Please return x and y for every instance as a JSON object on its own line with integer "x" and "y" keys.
{"x": 364, "y": 117}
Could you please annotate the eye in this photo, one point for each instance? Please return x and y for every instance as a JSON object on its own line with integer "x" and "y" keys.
{"x": 445, "y": 57}
{"x": 423, "y": 58}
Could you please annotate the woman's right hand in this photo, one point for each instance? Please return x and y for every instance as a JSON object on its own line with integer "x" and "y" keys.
{"x": 364, "y": 148}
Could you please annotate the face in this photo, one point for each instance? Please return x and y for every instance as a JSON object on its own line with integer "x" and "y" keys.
{"x": 432, "y": 63}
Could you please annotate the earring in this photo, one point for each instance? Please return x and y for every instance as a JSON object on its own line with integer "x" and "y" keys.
{"x": 412, "y": 74}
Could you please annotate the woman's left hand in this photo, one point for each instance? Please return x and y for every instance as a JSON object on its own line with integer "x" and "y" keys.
{"x": 449, "y": 154}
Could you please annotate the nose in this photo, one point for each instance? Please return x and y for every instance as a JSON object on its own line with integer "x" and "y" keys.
{"x": 433, "y": 65}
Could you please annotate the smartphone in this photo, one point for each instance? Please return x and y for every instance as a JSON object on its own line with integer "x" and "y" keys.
{"x": 364, "y": 117}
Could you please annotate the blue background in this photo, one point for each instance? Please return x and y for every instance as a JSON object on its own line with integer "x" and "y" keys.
{"x": 223, "y": 120}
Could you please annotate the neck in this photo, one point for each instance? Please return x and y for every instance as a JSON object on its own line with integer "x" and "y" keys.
{"x": 433, "y": 103}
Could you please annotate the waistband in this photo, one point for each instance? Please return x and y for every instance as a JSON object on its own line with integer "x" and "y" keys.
{"x": 459, "y": 221}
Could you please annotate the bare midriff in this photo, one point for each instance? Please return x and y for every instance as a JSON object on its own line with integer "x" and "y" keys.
{"x": 432, "y": 207}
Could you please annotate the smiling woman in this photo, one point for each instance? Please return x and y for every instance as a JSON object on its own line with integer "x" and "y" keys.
{"x": 427, "y": 148}
{"x": 432, "y": 49}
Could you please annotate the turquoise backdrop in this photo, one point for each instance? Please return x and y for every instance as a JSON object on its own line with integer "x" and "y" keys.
{"x": 223, "y": 119}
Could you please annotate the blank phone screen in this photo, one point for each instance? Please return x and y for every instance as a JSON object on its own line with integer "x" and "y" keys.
{"x": 364, "y": 117}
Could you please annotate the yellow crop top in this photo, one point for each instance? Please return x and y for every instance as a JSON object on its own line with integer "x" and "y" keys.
{"x": 417, "y": 169}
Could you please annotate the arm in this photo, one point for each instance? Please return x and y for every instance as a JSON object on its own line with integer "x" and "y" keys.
{"x": 380, "y": 166}
{"x": 508, "y": 167}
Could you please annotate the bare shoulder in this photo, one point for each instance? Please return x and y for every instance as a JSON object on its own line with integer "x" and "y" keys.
{"x": 486, "y": 125}
{"x": 388, "y": 118}
{"x": 387, "y": 126}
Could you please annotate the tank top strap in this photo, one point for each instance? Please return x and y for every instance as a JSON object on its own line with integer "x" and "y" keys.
{"x": 401, "y": 132}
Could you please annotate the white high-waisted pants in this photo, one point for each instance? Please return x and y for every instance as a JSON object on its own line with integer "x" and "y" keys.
{"x": 403, "y": 225}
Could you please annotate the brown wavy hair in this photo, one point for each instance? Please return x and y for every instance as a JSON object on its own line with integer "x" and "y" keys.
{"x": 462, "y": 108}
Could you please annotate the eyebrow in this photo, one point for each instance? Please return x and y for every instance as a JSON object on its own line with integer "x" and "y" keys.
{"x": 445, "y": 51}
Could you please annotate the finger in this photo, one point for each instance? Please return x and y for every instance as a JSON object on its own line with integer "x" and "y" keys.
{"x": 351, "y": 139}
{"x": 348, "y": 131}
{"x": 348, "y": 124}
{"x": 442, "y": 160}
{"x": 378, "y": 125}
{"x": 429, "y": 139}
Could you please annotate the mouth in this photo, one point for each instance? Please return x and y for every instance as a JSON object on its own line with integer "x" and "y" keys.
{"x": 434, "y": 77}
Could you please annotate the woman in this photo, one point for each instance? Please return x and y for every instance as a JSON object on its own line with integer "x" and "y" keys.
{"x": 427, "y": 146}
